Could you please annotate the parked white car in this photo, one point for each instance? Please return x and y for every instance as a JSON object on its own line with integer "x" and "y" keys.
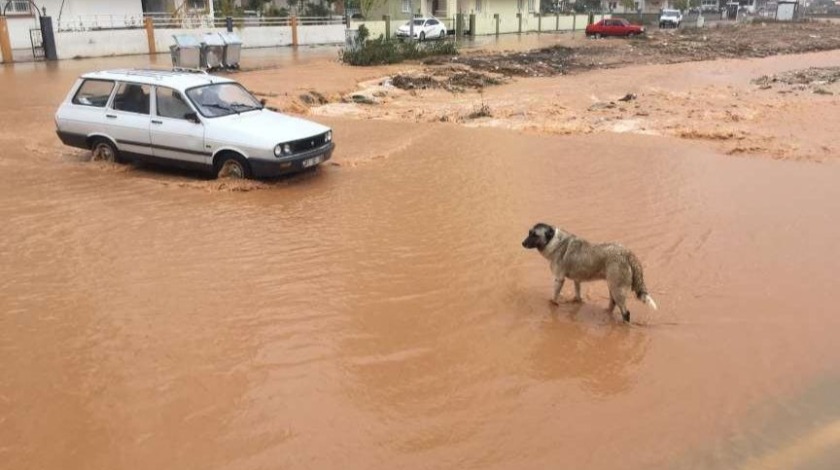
{"x": 670, "y": 19}
{"x": 424, "y": 28}
{"x": 190, "y": 120}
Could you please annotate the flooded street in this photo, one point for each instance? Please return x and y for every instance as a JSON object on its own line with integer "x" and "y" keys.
{"x": 382, "y": 313}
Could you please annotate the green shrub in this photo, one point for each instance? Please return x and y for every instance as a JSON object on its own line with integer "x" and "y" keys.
{"x": 364, "y": 33}
{"x": 381, "y": 52}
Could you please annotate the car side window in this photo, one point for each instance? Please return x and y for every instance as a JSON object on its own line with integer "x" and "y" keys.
{"x": 170, "y": 104}
{"x": 432, "y": 23}
{"x": 132, "y": 98}
{"x": 94, "y": 93}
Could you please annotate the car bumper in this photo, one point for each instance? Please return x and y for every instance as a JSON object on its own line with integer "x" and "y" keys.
{"x": 72, "y": 139}
{"x": 261, "y": 168}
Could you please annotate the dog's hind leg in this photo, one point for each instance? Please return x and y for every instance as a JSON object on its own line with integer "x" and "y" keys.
{"x": 612, "y": 305}
{"x": 577, "y": 292}
{"x": 617, "y": 297}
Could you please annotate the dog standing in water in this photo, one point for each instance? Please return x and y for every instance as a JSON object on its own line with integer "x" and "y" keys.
{"x": 577, "y": 259}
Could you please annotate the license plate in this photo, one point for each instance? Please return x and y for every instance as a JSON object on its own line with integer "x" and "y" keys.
{"x": 313, "y": 161}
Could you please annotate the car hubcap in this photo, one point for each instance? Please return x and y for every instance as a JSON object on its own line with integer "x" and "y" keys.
{"x": 232, "y": 169}
{"x": 103, "y": 153}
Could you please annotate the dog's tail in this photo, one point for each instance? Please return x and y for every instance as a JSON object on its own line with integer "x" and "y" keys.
{"x": 638, "y": 283}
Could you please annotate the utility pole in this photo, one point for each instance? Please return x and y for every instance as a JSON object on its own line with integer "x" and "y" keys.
{"x": 410, "y": 20}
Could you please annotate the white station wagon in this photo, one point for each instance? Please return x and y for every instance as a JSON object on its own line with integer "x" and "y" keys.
{"x": 190, "y": 120}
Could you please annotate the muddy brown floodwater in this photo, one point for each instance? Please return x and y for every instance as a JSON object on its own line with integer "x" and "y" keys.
{"x": 381, "y": 312}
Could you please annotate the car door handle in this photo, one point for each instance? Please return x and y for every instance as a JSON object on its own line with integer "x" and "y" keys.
{"x": 155, "y": 121}
{"x": 111, "y": 116}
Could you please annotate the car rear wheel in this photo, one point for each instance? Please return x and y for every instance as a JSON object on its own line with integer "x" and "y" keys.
{"x": 422, "y": 36}
{"x": 232, "y": 166}
{"x": 597, "y": 35}
{"x": 442, "y": 34}
{"x": 103, "y": 150}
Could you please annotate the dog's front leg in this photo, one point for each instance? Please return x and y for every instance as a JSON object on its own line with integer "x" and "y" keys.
{"x": 577, "y": 292}
{"x": 558, "y": 286}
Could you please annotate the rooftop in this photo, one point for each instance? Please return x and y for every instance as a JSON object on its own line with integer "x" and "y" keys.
{"x": 176, "y": 79}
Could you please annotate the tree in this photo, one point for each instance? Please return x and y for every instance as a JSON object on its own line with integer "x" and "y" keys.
{"x": 681, "y": 5}
{"x": 368, "y": 5}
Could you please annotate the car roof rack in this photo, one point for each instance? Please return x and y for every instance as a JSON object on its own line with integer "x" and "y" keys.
{"x": 156, "y": 73}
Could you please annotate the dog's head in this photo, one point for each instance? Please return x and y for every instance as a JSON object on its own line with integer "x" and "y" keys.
{"x": 539, "y": 236}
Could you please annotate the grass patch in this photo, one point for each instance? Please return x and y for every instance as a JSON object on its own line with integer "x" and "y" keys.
{"x": 382, "y": 52}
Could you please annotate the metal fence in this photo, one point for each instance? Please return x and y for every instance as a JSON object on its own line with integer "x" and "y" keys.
{"x": 167, "y": 20}
{"x": 98, "y": 22}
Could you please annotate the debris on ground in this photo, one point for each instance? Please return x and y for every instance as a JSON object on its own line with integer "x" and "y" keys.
{"x": 480, "y": 112}
{"x": 686, "y": 45}
{"x": 454, "y": 78}
{"x": 544, "y": 62}
{"x": 313, "y": 98}
{"x": 602, "y": 105}
{"x": 628, "y": 97}
{"x": 815, "y": 78}
{"x": 361, "y": 98}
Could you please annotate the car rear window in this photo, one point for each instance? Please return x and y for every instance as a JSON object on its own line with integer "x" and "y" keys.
{"x": 94, "y": 93}
{"x": 132, "y": 98}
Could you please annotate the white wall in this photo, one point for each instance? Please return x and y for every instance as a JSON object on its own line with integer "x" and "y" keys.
{"x": 70, "y": 44}
{"x": 75, "y": 11}
{"x": 19, "y": 31}
{"x": 264, "y": 36}
{"x": 92, "y": 7}
{"x": 321, "y": 34}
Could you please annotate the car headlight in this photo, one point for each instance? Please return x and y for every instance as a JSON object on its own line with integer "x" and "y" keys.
{"x": 328, "y": 136}
{"x": 282, "y": 149}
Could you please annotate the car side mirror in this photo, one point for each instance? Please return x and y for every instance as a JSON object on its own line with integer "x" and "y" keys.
{"x": 263, "y": 102}
{"x": 192, "y": 117}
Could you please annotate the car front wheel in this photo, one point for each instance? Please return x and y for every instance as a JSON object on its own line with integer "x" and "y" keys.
{"x": 597, "y": 35}
{"x": 422, "y": 37}
{"x": 232, "y": 166}
{"x": 103, "y": 150}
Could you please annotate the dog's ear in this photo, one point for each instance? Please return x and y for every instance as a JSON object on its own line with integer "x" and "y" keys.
{"x": 549, "y": 234}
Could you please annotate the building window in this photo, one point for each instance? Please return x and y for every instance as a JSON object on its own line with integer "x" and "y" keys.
{"x": 406, "y": 6}
{"x": 531, "y": 6}
{"x": 18, "y": 7}
{"x": 519, "y": 5}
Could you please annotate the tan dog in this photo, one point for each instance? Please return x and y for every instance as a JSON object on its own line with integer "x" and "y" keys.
{"x": 577, "y": 259}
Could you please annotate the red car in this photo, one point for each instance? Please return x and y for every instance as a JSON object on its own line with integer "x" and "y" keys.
{"x": 613, "y": 27}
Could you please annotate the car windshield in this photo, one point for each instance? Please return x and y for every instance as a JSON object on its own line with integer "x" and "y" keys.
{"x": 222, "y": 99}
{"x": 670, "y": 13}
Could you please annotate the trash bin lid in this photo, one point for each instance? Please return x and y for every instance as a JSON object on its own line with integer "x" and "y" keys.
{"x": 230, "y": 38}
{"x": 212, "y": 39}
{"x": 186, "y": 40}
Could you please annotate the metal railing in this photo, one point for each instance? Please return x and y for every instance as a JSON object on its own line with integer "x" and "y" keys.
{"x": 98, "y": 22}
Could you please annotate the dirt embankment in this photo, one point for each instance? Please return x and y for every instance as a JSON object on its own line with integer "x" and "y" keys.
{"x": 659, "y": 47}
{"x": 741, "y": 119}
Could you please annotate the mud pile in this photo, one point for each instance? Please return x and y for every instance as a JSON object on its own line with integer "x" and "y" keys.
{"x": 739, "y": 41}
{"x": 454, "y": 78}
{"x": 658, "y": 47}
{"x": 816, "y": 79}
{"x": 544, "y": 62}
